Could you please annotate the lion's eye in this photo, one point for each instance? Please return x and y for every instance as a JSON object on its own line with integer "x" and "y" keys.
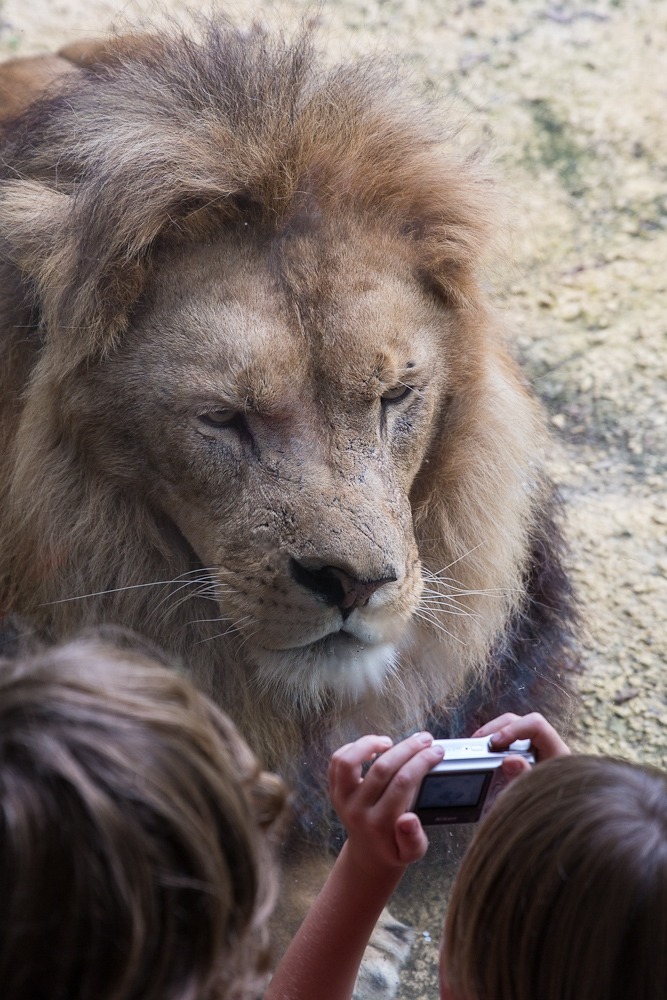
{"x": 218, "y": 418}
{"x": 396, "y": 393}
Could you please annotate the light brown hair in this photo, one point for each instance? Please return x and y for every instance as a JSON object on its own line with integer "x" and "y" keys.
{"x": 563, "y": 892}
{"x": 134, "y": 855}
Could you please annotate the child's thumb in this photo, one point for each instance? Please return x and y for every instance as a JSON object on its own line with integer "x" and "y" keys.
{"x": 410, "y": 837}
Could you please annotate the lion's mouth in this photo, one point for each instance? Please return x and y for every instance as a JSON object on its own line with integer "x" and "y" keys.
{"x": 338, "y": 642}
{"x": 338, "y": 661}
{"x": 331, "y": 644}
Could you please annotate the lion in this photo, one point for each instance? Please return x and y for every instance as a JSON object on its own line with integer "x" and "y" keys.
{"x": 258, "y": 404}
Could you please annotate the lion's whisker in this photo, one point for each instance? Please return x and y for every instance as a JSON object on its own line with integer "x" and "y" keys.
{"x": 444, "y": 600}
{"x": 435, "y": 595}
{"x": 172, "y": 594}
{"x": 198, "y": 621}
{"x": 236, "y": 627}
{"x": 448, "y": 607}
{"x": 249, "y": 635}
{"x": 207, "y": 592}
{"x": 464, "y": 555}
{"x": 412, "y": 388}
{"x": 119, "y": 590}
{"x": 424, "y": 616}
{"x": 205, "y": 583}
{"x": 489, "y": 592}
{"x": 451, "y": 612}
{"x": 220, "y": 618}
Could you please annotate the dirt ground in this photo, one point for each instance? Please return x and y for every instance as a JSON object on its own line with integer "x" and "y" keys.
{"x": 570, "y": 97}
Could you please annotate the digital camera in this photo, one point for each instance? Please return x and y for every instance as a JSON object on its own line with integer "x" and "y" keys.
{"x": 463, "y": 786}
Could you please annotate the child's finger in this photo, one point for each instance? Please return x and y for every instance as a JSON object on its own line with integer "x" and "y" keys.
{"x": 391, "y": 798}
{"x": 346, "y": 763}
{"x": 496, "y": 724}
{"x": 386, "y": 767}
{"x": 534, "y": 727}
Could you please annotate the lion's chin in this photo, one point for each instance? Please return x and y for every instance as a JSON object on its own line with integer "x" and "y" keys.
{"x": 338, "y": 664}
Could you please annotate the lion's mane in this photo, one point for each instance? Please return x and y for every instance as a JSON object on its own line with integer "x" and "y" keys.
{"x": 167, "y": 147}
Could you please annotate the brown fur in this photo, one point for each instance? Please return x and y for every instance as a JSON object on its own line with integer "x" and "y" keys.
{"x": 22, "y": 80}
{"x": 223, "y": 227}
{"x": 28, "y": 78}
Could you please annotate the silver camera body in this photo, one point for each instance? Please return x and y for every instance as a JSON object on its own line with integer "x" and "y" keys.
{"x": 463, "y": 786}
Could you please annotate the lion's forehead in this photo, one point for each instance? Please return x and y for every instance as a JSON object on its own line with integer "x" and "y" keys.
{"x": 224, "y": 324}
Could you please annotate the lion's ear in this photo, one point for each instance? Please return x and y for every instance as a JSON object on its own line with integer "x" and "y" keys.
{"x": 40, "y": 232}
{"x": 32, "y": 220}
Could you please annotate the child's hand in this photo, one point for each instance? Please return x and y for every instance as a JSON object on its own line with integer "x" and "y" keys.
{"x": 373, "y": 808}
{"x": 534, "y": 727}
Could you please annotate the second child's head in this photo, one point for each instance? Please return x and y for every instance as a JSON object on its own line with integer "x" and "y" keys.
{"x": 563, "y": 891}
{"x": 135, "y": 857}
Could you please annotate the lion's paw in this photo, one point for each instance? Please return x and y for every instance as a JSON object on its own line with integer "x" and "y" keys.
{"x": 384, "y": 957}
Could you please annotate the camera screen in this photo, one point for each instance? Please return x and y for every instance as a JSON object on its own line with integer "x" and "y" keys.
{"x": 440, "y": 791}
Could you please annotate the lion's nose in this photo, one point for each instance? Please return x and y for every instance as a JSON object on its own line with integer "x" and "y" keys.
{"x": 336, "y": 586}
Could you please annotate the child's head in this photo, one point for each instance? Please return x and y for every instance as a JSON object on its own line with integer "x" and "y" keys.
{"x": 134, "y": 857}
{"x": 563, "y": 891}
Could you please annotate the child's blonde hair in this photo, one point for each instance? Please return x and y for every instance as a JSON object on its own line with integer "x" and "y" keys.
{"x": 134, "y": 857}
{"x": 562, "y": 894}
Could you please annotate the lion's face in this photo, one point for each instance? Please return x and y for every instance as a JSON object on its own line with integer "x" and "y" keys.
{"x": 277, "y": 407}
